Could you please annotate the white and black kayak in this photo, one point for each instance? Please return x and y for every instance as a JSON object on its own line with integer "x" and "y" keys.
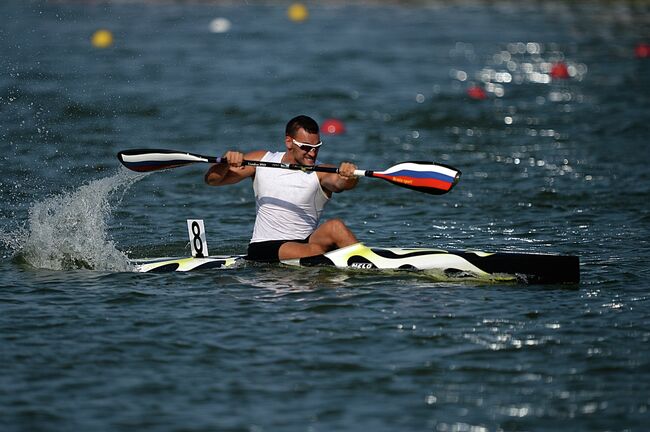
{"x": 443, "y": 264}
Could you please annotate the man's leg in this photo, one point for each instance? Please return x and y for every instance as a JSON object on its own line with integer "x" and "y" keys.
{"x": 331, "y": 235}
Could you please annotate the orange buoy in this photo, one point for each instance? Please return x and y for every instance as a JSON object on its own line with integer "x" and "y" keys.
{"x": 642, "y": 50}
{"x": 333, "y": 127}
{"x": 476, "y": 93}
{"x": 559, "y": 70}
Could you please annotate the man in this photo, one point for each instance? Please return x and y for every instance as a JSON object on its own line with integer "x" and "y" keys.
{"x": 290, "y": 203}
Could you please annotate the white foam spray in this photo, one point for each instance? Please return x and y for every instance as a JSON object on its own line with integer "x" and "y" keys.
{"x": 70, "y": 230}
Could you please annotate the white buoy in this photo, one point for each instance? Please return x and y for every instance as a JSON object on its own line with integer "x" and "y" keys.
{"x": 220, "y": 25}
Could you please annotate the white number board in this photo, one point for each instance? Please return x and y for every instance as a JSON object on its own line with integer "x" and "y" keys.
{"x": 199, "y": 244}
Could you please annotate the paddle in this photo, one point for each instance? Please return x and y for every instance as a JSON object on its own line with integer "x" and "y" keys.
{"x": 427, "y": 177}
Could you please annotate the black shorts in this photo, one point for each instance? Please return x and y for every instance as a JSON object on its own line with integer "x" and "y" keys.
{"x": 267, "y": 251}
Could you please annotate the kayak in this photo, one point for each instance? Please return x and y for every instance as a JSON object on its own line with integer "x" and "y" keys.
{"x": 441, "y": 264}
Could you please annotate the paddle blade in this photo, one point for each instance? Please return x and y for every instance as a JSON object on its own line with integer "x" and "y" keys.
{"x": 427, "y": 177}
{"x": 145, "y": 160}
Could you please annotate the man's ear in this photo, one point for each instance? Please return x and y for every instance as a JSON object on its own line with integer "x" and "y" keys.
{"x": 288, "y": 142}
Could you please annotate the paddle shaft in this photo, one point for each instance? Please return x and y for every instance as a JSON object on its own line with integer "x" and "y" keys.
{"x": 297, "y": 167}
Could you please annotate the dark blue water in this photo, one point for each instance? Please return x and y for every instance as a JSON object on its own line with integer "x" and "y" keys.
{"x": 549, "y": 165}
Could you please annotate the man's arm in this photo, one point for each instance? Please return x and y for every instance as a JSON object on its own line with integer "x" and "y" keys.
{"x": 232, "y": 171}
{"x": 344, "y": 180}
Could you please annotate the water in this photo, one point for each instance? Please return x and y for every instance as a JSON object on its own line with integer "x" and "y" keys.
{"x": 549, "y": 165}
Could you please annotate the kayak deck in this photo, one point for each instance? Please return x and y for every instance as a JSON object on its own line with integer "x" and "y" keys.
{"x": 185, "y": 264}
{"x": 449, "y": 265}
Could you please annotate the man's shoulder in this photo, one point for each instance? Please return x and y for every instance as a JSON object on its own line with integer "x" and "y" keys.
{"x": 256, "y": 155}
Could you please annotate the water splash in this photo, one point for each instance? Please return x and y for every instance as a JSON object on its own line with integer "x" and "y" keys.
{"x": 70, "y": 230}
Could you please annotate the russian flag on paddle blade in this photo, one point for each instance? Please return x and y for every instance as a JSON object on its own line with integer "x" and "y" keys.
{"x": 425, "y": 175}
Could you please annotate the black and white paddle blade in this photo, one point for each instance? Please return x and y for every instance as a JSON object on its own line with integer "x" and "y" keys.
{"x": 145, "y": 160}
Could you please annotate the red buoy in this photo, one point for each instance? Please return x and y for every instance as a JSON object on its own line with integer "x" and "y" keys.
{"x": 642, "y": 50}
{"x": 333, "y": 127}
{"x": 476, "y": 93}
{"x": 560, "y": 71}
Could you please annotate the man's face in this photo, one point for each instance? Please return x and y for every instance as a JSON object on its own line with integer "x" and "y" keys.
{"x": 301, "y": 148}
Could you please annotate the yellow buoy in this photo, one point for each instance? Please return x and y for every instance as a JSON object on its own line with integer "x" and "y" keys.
{"x": 102, "y": 39}
{"x": 298, "y": 12}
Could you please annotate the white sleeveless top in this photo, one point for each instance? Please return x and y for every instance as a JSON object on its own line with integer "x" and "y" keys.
{"x": 289, "y": 203}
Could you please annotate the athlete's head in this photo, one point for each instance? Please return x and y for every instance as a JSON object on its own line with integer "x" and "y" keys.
{"x": 302, "y": 140}
{"x": 301, "y": 122}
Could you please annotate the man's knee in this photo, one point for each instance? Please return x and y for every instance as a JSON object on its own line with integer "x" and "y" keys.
{"x": 337, "y": 225}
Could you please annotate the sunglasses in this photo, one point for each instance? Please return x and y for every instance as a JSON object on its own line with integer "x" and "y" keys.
{"x": 307, "y": 147}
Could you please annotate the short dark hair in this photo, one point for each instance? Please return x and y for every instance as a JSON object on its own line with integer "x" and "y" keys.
{"x": 301, "y": 122}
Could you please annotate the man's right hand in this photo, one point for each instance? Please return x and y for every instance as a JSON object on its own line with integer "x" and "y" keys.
{"x": 232, "y": 170}
{"x": 234, "y": 158}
